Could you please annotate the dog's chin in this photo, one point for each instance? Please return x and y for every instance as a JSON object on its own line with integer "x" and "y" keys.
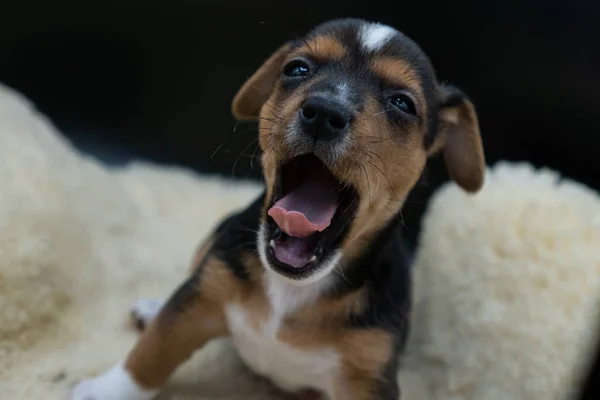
{"x": 306, "y": 221}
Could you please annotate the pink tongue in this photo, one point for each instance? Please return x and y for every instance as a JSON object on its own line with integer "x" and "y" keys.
{"x": 294, "y": 251}
{"x": 308, "y": 208}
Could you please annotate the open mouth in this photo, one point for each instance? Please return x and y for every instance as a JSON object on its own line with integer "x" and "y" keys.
{"x": 310, "y": 214}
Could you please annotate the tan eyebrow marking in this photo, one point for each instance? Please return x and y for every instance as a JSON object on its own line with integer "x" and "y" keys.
{"x": 323, "y": 48}
{"x": 399, "y": 73}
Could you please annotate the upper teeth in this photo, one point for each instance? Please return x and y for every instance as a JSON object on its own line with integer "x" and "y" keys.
{"x": 272, "y": 243}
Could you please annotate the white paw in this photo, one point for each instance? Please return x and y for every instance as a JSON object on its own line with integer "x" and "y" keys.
{"x": 90, "y": 389}
{"x": 144, "y": 311}
{"x": 116, "y": 384}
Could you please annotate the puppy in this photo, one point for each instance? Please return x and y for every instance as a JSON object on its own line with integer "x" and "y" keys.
{"x": 311, "y": 280}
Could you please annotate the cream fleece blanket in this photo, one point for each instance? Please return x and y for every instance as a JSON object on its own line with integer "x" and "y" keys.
{"x": 507, "y": 282}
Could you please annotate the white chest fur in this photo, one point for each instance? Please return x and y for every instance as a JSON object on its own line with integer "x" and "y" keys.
{"x": 288, "y": 367}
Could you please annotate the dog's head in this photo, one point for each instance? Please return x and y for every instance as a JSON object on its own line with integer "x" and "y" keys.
{"x": 347, "y": 118}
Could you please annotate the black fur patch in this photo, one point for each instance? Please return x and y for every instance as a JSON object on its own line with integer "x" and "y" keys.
{"x": 237, "y": 235}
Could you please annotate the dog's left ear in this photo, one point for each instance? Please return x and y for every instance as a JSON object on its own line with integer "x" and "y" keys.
{"x": 458, "y": 137}
{"x": 253, "y": 94}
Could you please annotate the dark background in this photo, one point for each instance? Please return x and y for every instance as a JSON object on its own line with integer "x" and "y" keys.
{"x": 155, "y": 80}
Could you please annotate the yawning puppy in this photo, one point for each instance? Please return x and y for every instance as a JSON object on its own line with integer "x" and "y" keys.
{"x": 312, "y": 281}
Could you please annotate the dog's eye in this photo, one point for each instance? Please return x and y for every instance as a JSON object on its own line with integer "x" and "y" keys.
{"x": 296, "y": 69}
{"x": 404, "y": 103}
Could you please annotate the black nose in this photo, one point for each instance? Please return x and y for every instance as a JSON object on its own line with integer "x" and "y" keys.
{"x": 324, "y": 119}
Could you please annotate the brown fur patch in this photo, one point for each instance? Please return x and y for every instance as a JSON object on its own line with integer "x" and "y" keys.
{"x": 399, "y": 73}
{"x": 270, "y": 137}
{"x": 323, "y": 49}
{"x": 383, "y": 165}
{"x": 274, "y": 121}
{"x": 175, "y": 333}
{"x": 463, "y": 149}
{"x": 362, "y": 370}
{"x": 332, "y": 310}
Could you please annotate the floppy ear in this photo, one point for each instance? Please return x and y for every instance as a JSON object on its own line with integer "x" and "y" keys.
{"x": 459, "y": 139}
{"x": 256, "y": 90}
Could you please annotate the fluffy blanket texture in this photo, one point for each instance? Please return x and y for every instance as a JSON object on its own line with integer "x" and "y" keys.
{"x": 506, "y": 282}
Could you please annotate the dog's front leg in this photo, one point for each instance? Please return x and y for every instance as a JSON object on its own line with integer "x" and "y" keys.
{"x": 192, "y": 316}
{"x": 370, "y": 374}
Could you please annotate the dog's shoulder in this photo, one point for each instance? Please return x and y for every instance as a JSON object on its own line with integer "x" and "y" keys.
{"x": 385, "y": 272}
{"x": 234, "y": 238}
